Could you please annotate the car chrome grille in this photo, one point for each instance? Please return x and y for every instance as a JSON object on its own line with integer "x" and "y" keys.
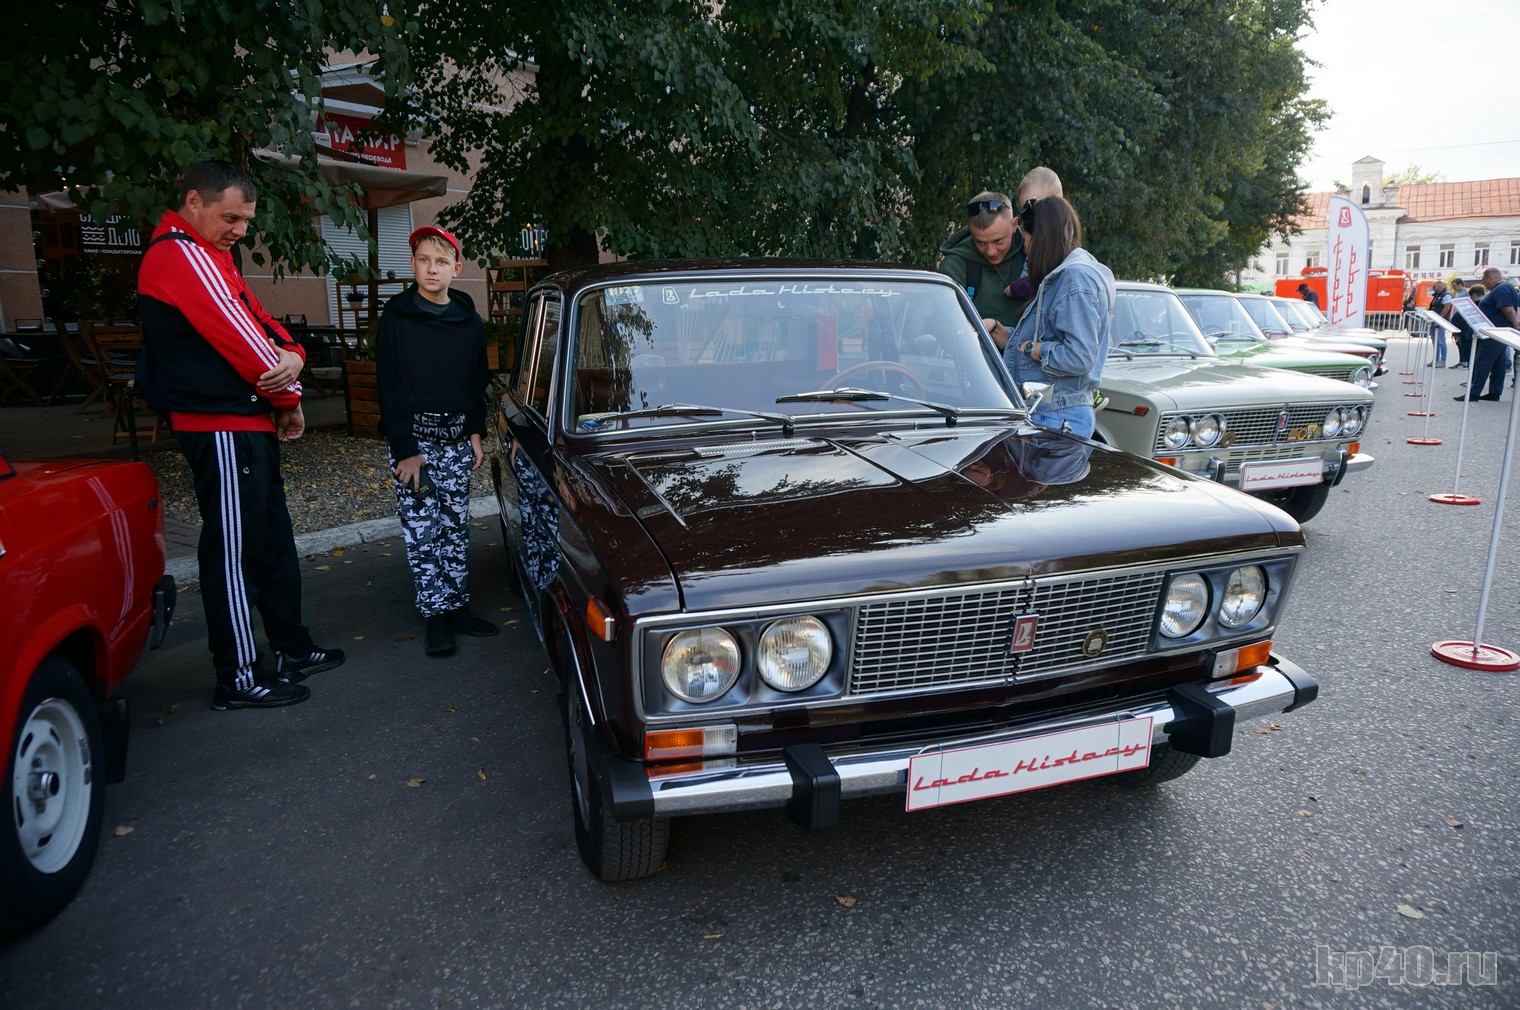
{"x": 962, "y": 640}
{"x": 1340, "y": 372}
{"x": 1254, "y": 426}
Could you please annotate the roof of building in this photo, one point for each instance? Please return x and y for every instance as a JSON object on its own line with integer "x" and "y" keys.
{"x": 1436, "y": 201}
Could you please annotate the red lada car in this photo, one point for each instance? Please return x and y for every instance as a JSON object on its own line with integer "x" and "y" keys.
{"x": 84, "y": 590}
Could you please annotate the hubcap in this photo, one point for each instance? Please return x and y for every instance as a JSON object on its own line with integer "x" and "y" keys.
{"x": 51, "y": 785}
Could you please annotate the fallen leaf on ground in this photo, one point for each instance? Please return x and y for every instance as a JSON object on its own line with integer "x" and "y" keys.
{"x": 372, "y": 776}
{"x": 1409, "y": 912}
{"x": 1452, "y": 822}
{"x": 174, "y": 708}
{"x": 1305, "y": 813}
{"x": 451, "y": 708}
{"x": 481, "y": 774}
{"x": 406, "y": 638}
{"x": 845, "y": 900}
{"x": 415, "y": 783}
{"x": 1360, "y": 771}
{"x": 358, "y": 638}
{"x": 324, "y": 568}
{"x": 713, "y": 936}
{"x": 337, "y": 552}
{"x": 123, "y": 829}
{"x": 1262, "y": 730}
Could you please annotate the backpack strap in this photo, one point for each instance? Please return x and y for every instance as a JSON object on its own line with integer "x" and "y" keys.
{"x": 973, "y": 277}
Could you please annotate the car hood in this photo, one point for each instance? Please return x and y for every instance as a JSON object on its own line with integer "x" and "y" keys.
{"x": 806, "y": 518}
{"x": 1175, "y": 383}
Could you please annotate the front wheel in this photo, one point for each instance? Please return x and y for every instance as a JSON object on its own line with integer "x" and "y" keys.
{"x": 52, "y": 798}
{"x": 1166, "y": 764}
{"x": 612, "y": 849}
{"x": 1302, "y": 503}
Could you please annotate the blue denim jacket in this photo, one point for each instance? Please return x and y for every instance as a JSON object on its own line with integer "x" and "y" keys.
{"x": 1071, "y": 317}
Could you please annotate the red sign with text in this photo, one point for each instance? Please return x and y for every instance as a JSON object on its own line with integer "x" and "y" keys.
{"x": 339, "y": 132}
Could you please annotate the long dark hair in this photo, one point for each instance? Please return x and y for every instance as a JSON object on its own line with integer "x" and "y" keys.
{"x": 1051, "y": 231}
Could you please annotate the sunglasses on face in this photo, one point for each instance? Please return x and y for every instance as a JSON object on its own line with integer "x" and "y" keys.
{"x": 976, "y": 207}
{"x": 1026, "y": 216}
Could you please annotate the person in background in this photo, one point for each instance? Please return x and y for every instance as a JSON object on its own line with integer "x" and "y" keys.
{"x": 1464, "y": 338}
{"x": 226, "y": 373}
{"x": 1490, "y": 359}
{"x": 1307, "y": 294}
{"x": 1440, "y": 304}
{"x": 1063, "y": 335}
{"x": 431, "y": 372}
{"x": 987, "y": 256}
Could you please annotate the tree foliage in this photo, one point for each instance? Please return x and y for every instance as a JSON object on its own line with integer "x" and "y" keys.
{"x": 108, "y": 101}
{"x": 1413, "y": 175}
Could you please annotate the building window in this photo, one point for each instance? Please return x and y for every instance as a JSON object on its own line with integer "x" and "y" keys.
{"x": 1448, "y": 255}
{"x": 1514, "y": 252}
{"x": 1311, "y": 260}
{"x": 1480, "y": 254}
{"x": 1282, "y": 263}
{"x": 1412, "y": 258}
{"x": 1366, "y": 194}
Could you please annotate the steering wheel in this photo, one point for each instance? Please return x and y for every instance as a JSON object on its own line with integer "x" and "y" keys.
{"x": 880, "y": 366}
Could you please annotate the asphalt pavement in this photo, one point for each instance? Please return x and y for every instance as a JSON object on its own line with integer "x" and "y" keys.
{"x": 404, "y": 838}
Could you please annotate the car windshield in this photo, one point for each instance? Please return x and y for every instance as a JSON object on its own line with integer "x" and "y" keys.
{"x": 1153, "y": 323}
{"x": 1265, "y": 315}
{"x": 654, "y": 352}
{"x": 1291, "y": 311}
{"x": 1220, "y": 316}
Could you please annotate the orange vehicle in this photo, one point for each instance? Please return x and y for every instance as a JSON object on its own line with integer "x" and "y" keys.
{"x": 1385, "y": 288}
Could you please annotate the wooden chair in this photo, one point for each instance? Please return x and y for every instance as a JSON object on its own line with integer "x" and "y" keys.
{"x": 17, "y": 364}
{"x": 115, "y": 348}
{"x": 508, "y": 284}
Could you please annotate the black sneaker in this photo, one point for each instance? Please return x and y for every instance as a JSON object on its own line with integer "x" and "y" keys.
{"x": 440, "y": 638}
{"x": 272, "y": 695}
{"x": 291, "y": 669}
{"x": 466, "y": 623}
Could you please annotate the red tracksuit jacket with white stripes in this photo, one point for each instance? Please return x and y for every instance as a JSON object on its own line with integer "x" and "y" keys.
{"x": 207, "y": 336}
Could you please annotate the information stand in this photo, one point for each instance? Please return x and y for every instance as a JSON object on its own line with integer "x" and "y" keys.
{"x": 1475, "y": 655}
{"x": 1427, "y": 410}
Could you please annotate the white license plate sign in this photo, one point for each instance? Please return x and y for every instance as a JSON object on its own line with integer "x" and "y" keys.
{"x": 997, "y": 769}
{"x": 1290, "y": 473}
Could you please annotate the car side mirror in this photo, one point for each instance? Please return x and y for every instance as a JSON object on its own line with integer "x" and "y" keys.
{"x": 1034, "y": 392}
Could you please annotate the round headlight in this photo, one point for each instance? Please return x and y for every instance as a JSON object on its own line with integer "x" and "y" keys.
{"x": 1208, "y": 430}
{"x": 1355, "y": 418}
{"x": 794, "y": 654}
{"x": 700, "y": 665}
{"x": 1362, "y": 376}
{"x": 1244, "y": 593}
{"x": 1187, "y": 601}
{"x": 1374, "y": 359}
{"x": 1178, "y": 431}
{"x": 1333, "y": 421}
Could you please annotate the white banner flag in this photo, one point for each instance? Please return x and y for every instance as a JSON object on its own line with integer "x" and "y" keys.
{"x": 1346, "y": 262}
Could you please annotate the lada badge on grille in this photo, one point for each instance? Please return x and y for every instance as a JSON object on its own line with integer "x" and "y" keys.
{"x": 1023, "y": 633}
{"x": 1094, "y": 642}
{"x": 1282, "y": 422}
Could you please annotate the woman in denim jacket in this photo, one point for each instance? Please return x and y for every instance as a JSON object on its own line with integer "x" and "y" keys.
{"x": 1062, "y": 337}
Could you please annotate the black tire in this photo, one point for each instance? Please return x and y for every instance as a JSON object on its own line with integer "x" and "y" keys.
{"x": 612, "y": 850}
{"x": 1302, "y": 503}
{"x": 1166, "y": 764}
{"x": 48, "y": 837}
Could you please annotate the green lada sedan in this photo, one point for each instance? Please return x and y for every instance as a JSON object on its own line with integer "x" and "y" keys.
{"x": 1282, "y": 436}
{"x": 1234, "y": 335}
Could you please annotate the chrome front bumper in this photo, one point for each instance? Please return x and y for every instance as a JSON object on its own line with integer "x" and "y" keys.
{"x": 1195, "y": 719}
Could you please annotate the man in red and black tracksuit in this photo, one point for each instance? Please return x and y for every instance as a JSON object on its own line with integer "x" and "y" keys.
{"x": 226, "y": 373}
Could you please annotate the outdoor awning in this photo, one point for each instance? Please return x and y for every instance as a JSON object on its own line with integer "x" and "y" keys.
{"x": 382, "y": 187}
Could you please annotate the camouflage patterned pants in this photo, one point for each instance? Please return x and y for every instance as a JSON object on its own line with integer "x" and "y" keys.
{"x": 436, "y": 526}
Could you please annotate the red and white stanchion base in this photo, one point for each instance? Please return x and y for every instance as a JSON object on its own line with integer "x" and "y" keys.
{"x": 1476, "y": 657}
{"x": 1455, "y": 499}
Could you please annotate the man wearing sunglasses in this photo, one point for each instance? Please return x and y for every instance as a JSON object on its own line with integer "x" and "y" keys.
{"x": 987, "y": 256}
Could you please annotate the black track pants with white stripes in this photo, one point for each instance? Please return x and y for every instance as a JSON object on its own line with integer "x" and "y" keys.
{"x": 247, "y": 550}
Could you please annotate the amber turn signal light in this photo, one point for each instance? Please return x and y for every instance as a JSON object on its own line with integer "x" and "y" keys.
{"x": 1247, "y": 657}
{"x": 600, "y": 620}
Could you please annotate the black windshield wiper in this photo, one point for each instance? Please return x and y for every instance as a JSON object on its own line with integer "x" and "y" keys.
{"x": 685, "y": 410}
{"x": 854, "y": 394}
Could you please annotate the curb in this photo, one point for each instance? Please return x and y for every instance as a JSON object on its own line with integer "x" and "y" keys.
{"x": 186, "y": 570}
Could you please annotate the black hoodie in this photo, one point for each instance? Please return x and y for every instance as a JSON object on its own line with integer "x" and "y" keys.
{"x": 429, "y": 361}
